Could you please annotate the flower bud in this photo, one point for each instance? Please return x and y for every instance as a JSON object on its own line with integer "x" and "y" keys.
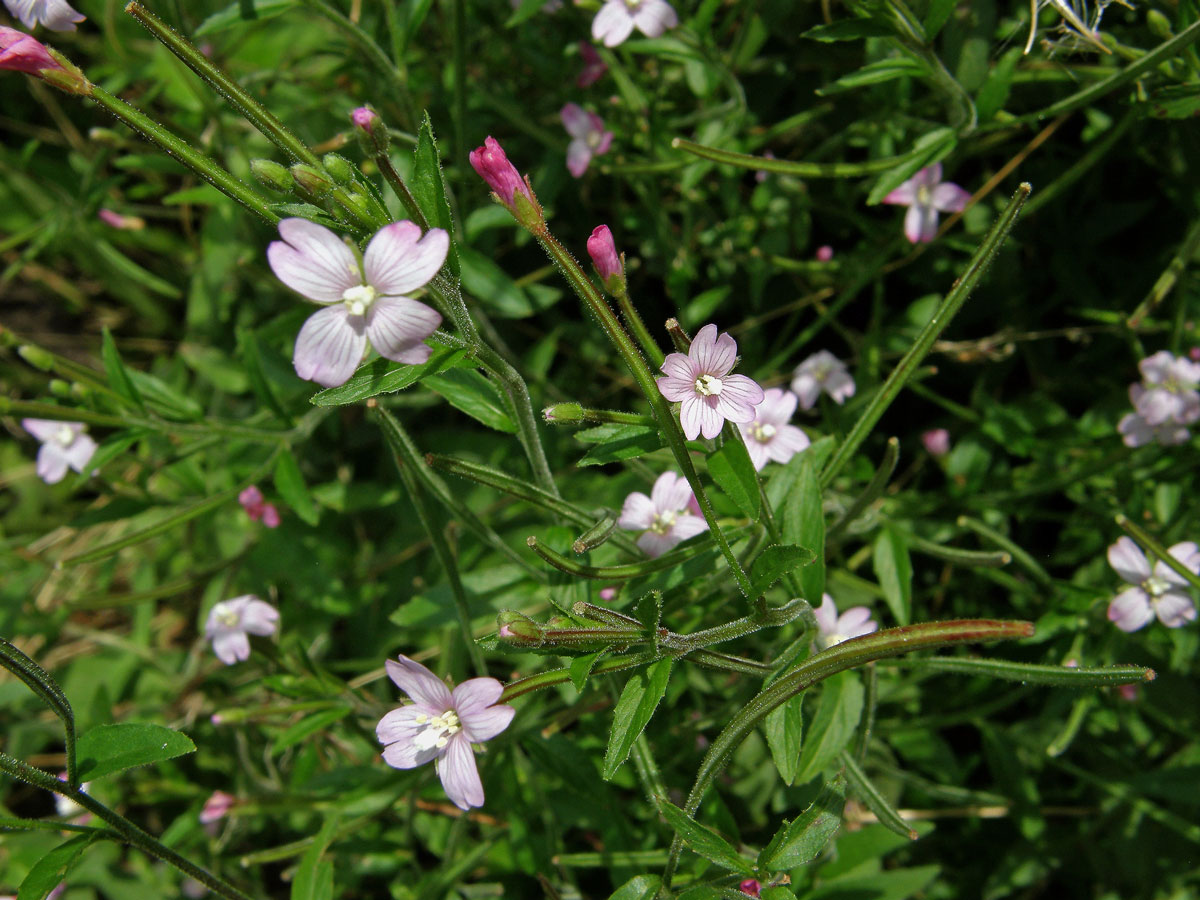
{"x": 1159, "y": 25}
{"x": 120, "y": 222}
{"x": 490, "y": 162}
{"x": 312, "y": 184}
{"x": 936, "y": 441}
{"x": 340, "y": 168}
{"x": 60, "y": 388}
{"x": 563, "y": 413}
{"x": 609, "y": 266}
{"x": 20, "y": 52}
{"x": 372, "y": 133}
{"x": 824, "y": 253}
{"x": 272, "y": 175}
{"x": 519, "y": 629}
{"x": 36, "y": 357}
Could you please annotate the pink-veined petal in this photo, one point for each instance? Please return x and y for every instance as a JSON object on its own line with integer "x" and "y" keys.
{"x": 949, "y": 197}
{"x": 46, "y": 429}
{"x": 693, "y": 415}
{"x": 788, "y": 441}
{"x": 741, "y": 389}
{"x": 826, "y": 615}
{"x": 807, "y": 389}
{"x": 638, "y": 512}
{"x": 670, "y": 493}
{"x": 1175, "y": 610}
{"x": 579, "y": 156}
{"x": 839, "y": 386}
{"x": 1186, "y": 553}
{"x": 330, "y": 346}
{"x": 654, "y": 17}
{"x": 854, "y": 620}
{"x": 777, "y": 406}
{"x": 58, "y": 15}
{"x": 419, "y": 683}
{"x": 710, "y": 416}
{"x": 484, "y": 724}
{"x": 231, "y": 647}
{"x": 679, "y": 366}
{"x": 401, "y": 724}
{"x": 459, "y": 774}
{"x": 613, "y": 24}
{"x": 905, "y": 195}
{"x": 313, "y": 261}
{"x": 1128, "y": 561}
{"x": 676, "y": 389}
{"x": 759, "y": 455}
{"x": 1130, "y": 610}
{"x": 475, "y": 694}
{"x": 706, "y": 355}
{"x": 920, "y": 224}
{"x": 51, "y": 463}
{"x": 401, "y": 752}
{"x": 398, "y": 326}
{"x": 400, "y": 259}
{"x": 260, "y": 617}
{"x": 653, "y": 544}
{"x": 688, "y": 526}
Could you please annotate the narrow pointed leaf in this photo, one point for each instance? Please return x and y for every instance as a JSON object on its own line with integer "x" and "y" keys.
{"x": 799, "y": 841}
{"x": 833, "y": 726}
{"x": 703, "y": 840}
{"x": 118, "y": 375}
{"x": 893, "y": 568}
{"x": 784, "y": 728}
{"x": 636, "y": 705}
{"x": 290, "y": 484}
{"x": 106, "y": 749}
{"x": 775, "y": 562}
{"x": 428, "y": 188}
{"x": 49, "y": 871}
{"x": 730, "y": 467}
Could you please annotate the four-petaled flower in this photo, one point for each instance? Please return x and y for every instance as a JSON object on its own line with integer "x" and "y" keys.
{"x": 64, "y": 445}
{"x": 57, "y": 15}
{"x": 833, "y": 629}
{"x": 669, "y": 515}
{"x": 617, "y": 19}
{"x": 441, "y": 725}
{"x": 707, "y": 393}
{"x": 363, "y": 300}
{"x": 588, "y": 137}
{"x": 252, "y": 502}
{"x": 1168, "y": 389}
{"x": 770, "y": 437}
{"x": 925, "y": 195}
{"x": 822, "y": 372}
{"x": 232, "y": 621}
{"x": 1160, "y": 591}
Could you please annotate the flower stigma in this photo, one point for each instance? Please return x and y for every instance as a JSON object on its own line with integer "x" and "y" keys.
{"x": 359, "y": 298}
{"x": 762, "y": 432}
{"x": 708, "y": 386}
{"x": 664, "y": 521}
{"x": 436, "y": 732}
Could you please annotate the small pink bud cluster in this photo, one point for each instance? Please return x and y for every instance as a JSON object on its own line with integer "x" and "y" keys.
{"x": 257, "y": 509}
{"x": 508, "y": 187}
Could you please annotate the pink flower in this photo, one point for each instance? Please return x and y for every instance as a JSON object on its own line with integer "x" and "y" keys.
{"x": 1168, "y": 390}
{"x": 57, "y": 15}
{"x": 372, "y": 133}
{"x": 362, "y": 301}
{"x": 441, "y": 725}
{"x": 1136, "y": 431}
{"x": 751, "y": 888}
{"x": 936, "y": 441}
{"x": 603, "y": 251}
{"x": 1160, "y": 591}
{"x": 822, "y": 372}
{"x": 231, "y": 621}
{"x": 64, "y": 445}
{"x": 824, "y": 253}
{"x": 593, "y": 66}
{"x": 665, "y": 518}
{"x": 925, "y": 194}
{"x": 21, "y": 53}
{"x": 501, "y": 176}
{"x": 252, "y": 501}
{"x": 217, "y": 807}
{"x": 120, "y": 222}
{"x": 588, "y": 137}
{"x": 617, "y": 19}
{"x": 833, "y": 629}
{"x": 770, "y": 437}
{"x": 701, "y": 382}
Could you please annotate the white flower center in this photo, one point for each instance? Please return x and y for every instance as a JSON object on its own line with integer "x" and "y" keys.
{"x": 924, "y": 195}
{"x": 436, "y": 732}
{"x": 762, "y": 432}
{"x": 65, "y": 435}
{"x": 663, "y": 521}
{"x": 632, "y": 5}
{"x": 226, "y": 615}
{"x": 1156, "y": 586}
{"x": 708, "y": 385}
{"x": 359, "y": 298}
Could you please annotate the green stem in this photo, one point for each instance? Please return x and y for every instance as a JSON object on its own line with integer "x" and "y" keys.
{"x": 1022, "y": 558}
{"x": 874, "y": 488}
{"x": 185, "y": 153}
{"x": 39, "y": 681}
{"x": 907, "y": 366}
{"x": 1030, "y": 673}
{"x": 1169, "y": 278}
{"x": 407, "y": 200}
{"x": 790, "y": 167}
{"x": 634, "y": 320}
{"x": 541, "y": 680}
{"x": 1152, "y": 544}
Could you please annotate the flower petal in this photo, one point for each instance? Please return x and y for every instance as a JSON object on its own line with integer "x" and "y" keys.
{"x": 827, "y": 615}
{"x": 231, "y": 647}
{"x": 260, "y": 617}
{"x": 688, "y": 526}
{"x": 476, "y": 694}
{"x": 905, "y": 195}
{"x": 677, "y": 365}
{"x": 576, "y": 120}
{"x": 670, "y": 493}
{"x": 80, "y": 452}
{"x": 46, "y": 429}
{"x": 398, "y": 326}
{"x": 777, "y": 407}
{"x": 807, "y": 389}
{"x": 949, "y": 197}
{"x": 579, "y": 155}
{"x": 1128, "y": 561}
{"x": 400, "y": 259}
{"x": 654, "y": 17}
{"x": 1130, "y": 610}
{"x": 51, "y": 463}
{"x": 459, "y": 775}
{"x": 920, "y": 224}
{"x": 787, "y": 442}
{"x": 613, "y": 24}
{"x": 313, "y": 261}
{"x": 708, "y": 355}
{"x": 330, "y": 346}
{"x": 637, "y": 514}
{"x": 676, "y": 389}
{"x": 654, "y": 544}
{"x": 1175, "y": 610}
{"x": 484, "y": 724}
{"x": 419, "y": 683}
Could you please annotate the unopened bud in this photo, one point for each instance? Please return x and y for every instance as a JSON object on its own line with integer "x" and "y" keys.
{"x": 563, "y": 413}
{"x": 519, "y": 629}
{"x": 36, "y": 357}
{"x": 1159, "y": 25}
{"x": 272, "y": 175}
{"x": 60, "y": 388}
{"x": 311, "y": 183}
{"x": 609, "y": 265}
{"x": 492, "y": 165}
{"x": 340, "y": 168}
{"x": 19, "y": 52}
{"x": 372, "y": 133}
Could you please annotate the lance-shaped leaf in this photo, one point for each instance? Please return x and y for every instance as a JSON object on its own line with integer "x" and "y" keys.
{"x": 800, "y": 840}
{"x": 730, "y": 467}
{"x": 382, "y": 376}
{"x": 703, "y": 840}
{"x": 429, "y": 190}
{"x": 106, "y": 749}
{"x": 775, "y": 562}
{"x": 637, "y": 703}
{"x": 49, "y": 871}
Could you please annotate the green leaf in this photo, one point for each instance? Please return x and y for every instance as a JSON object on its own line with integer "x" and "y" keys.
{"x": 777, "y": 893}
{"x": 894, "y": 884}
{"x": 232, "y": 14}
{"x": 799, "y": 841}
{"x": 118, "y": 375}
{"x": 784, "y": 728}
{"x": 850, "y": 30}
{"x": 308, "y": 725}
{"x": 106, "y": 749}
{"x": 314, "y": 875}
{"x": 833, "y": 726}
{"x": 636, "y": 705}
{"x": 937, "y": 13}
{"x": 643, "y": 887}
{"x": 492, "y": 286}
{"x": 252, "y": 360}
{"x": 428, "y": 188}
{"x": 878, "y": 72}
{"x": 581, "y": 667}
{"x": 290, "y": 484}
{"x": 382, "y": 376}
{"x": 994, "y": 93}
{"x": 1175, "y": 101}
{"x": 775, "y": 562}
{"x": 619, "y": 442}
{"x": 472, "y": 393}
{"x": 164, "y": 399}
{"x": 928, "y": 149}
{"x": 648, "y": 610}
{"x": 730, "y": 467}
{"x": 803, "y": 525}
{"x": 48, "y": 872}
{"x": 893, "y": 568}
{"x": 703, "y": 840}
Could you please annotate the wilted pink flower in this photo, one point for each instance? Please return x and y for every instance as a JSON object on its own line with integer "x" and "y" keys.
{"x": 216, "y": 807}
{"x": 64, "y": 445}
{"x": 57, "y": 15}
{"x": 936, "y": 441}
{"x": 751, "y": 888}
{"x": 588, "y": 137}
{"x": 441, "y": 725}
{"x": 603, "y": 251}
{"x": 665, "y": 518}
{"x": 617, "y": 19}
{"x": 701, "y": 382}
{"x": 1160, "y": 591}
{"x": 231, "y": 621}
{"x": 120, "y": 222}
{"x": 1168, "y": 390}
{"x": 362, "y": 301}
{"x": 770, "y": 437}
{"x": 501, "y": 176}
{"x": 593, "y": 66}
{"x": 21, "y": 53}
{"x": 822, "y": 372}
{"x": 925, "y": 195}
{"x": 824, "y": 253}
{"x": 833, "y": 629}
{"x": 252, "y": 501}
{"x": 1136, "y": 431}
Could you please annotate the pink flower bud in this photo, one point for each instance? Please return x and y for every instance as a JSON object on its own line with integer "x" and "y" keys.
{"x": 501, "y": 175}
{"x": 216, "y": 807}
{"x": 608, "y": 593}
{"x": 824, "y": 253}
{"x": 120, "y": 222}
{"x": 751, "y": 888}
{"x": 593, "y": 66}
{"x": 372, "y": 133}
{"x": 270, "y": 515}
{"x": 936, "y": 441}
{"x": 604, "y": 256}
{"x": 21, "y": 53}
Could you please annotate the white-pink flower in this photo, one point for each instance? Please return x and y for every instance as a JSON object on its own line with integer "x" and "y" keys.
{"x": 1136, "y": 431}
{"x": 936, "y": 441}
{"x": 822, "y": 372}
{"x": 588, "y": 137}
{"x": 441, "y": 725}
{"x": 363, "y": 300}
{"x": 57, "y": 15}
{"x": 1168, "y": 390}
{"x": 833, "y": 629}
{"x": 1158, "y": 591}
{"x": 925, "y": 195}
{"x": 617, "y": 19}
{"x": 232, "y": 621}
{"x": 668, "y": 516}
{"x": 769, "y": 437}
{"x": 707, "y": 393}
{"x": 217, "y": 807}
{"x": 64, "y": 446}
